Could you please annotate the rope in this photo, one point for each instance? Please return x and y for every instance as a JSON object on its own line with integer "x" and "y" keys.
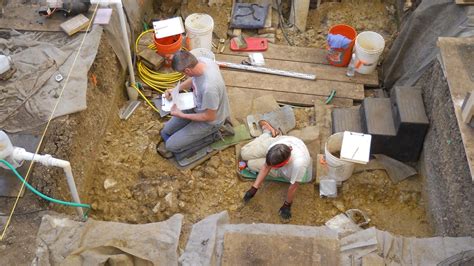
{"x": 47, "y": 126}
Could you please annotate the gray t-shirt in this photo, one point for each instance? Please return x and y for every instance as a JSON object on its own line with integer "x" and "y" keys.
{"x": 210, "y": 92}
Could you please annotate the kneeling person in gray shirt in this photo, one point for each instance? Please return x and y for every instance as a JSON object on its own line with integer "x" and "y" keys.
{"x": 191, "y": 130}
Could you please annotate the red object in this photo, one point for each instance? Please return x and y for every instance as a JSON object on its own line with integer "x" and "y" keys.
{"x": 253, "y": 44}
{"x": 168, "y": 45}
{"x": 285, "y": 162}
{"x": 339, "y": 56}
{"x": 242, "y": 165}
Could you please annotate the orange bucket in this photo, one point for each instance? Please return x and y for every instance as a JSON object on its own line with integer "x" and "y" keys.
{"x": 341, "y": 56}
{"x": 168, "y": 45}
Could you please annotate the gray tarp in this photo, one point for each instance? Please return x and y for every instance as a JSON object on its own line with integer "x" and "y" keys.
{"x": 28, "y": 98}
{"x": 206, "y": 244}
{"x": 62, "y": 241}
{"x": 415, "y": 47}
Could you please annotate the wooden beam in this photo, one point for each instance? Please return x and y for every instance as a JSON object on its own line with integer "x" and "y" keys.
{"x": 292, "y": 85}
{"x": 323, "y": 72}
{"x": 465, "y": 2}
{"x": 299, "y": 13}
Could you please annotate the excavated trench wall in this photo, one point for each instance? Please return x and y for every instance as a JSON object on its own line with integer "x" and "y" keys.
{"x": 76, "y": 138}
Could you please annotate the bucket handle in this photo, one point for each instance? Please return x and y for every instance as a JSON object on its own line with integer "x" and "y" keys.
{"x": 351, "y": 212}
{"x": 323, "y": 162}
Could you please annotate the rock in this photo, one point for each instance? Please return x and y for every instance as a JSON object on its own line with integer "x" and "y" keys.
{"x": 198, "y": 174}
{"x": 214, "y": 162}
{"x": 157, "y": 207}
{"x": 172, "y": 202}
{"x": 222, "y": 170}
{"x": 339, "y": 205}
{"x": 109, "y": 183}
{"x": 211, "y": 173}
{"x": 128, "y": 194}
{"x": 181, "y": 205}
{"x": 95, "y": 205}
{"x": 307, "y": 134}
{"x": 161, "y": 192}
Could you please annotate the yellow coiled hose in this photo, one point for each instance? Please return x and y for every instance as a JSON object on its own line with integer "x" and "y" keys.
{"x": 156, "y": 80}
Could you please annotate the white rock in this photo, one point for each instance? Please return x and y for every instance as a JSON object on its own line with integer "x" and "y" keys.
{"x": 156, "y": 209}
{"x": 108, "y": 183}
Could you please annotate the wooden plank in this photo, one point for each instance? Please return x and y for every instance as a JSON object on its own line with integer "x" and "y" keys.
{"x": 323, "y": 72}
{"x": 292, "y": 85}
{"x": 465, "y": 2}
{"x": 292, "y": 98}
{"x": 459, "y": 85}
{"x": 289, "y": 53}
{"x": 75, "y": 24}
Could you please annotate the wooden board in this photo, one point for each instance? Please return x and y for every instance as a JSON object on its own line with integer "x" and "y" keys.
{"x": 75, "y": 24}
{"x": 323, "y": 72}
{"x": 292, "y": 85}
{"x": 465, "y": 2}
{"x": 459, "y": 85}
{"x": 289, "y": 53}
{"x": 291, "y": 98}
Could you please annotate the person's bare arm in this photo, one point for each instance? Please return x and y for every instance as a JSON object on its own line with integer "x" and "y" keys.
{"x": 261, "y": 175}
{"x": 206, "y": 116}
{"x": 291, "y": 192}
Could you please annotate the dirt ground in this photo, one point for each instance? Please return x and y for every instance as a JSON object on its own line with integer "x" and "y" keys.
{"x": 125, "y": 180}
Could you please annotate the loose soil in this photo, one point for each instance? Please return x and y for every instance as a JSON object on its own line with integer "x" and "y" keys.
{"x": 125, "y": 180}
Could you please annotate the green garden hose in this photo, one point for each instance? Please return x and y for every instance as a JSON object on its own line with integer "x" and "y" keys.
{"x": 66, "y": 203}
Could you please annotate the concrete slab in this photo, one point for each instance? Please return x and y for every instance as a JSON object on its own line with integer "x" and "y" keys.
{"x": 251, "y": 249}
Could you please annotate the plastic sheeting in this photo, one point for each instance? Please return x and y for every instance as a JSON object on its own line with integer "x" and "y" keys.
{"x": 29, "y": 97}
{"x": 206, "y": 244}
{"x": 415, "y": 47}
{"x": 62, "y": 241}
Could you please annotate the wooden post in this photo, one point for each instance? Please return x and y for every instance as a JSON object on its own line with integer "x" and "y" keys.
{"x": 299, "y": 13}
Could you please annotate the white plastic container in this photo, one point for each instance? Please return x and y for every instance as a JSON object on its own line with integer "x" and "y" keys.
{"x": 199, "y": 29}
{"x": 5, "y": 63}
{"x": 203, "y": 52}
{"x": 369, "y": 46}
{"x": 6, "y": 147}
{"x": 338, "y": 169}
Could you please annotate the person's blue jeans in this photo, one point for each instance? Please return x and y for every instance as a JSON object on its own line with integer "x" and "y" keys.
{"x": 181, "y": 134}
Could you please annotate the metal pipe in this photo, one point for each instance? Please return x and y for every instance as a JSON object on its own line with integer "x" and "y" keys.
{"x": 132, "y": 94}
{"x": 267, "y": 70}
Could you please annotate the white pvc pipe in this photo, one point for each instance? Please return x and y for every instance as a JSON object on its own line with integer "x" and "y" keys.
{"x": 132, "y": 94}
{"x": 20, "y": 154}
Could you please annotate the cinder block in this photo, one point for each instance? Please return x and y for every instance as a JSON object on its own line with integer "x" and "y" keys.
{"x": 346, "y": 119}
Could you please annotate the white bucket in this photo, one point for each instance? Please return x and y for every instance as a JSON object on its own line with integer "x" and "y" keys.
{"x": 369, "y": 46}
{"x": 203, "y": 52}
{"x": 338, "y": 169}
{"x": 199, "y": 29}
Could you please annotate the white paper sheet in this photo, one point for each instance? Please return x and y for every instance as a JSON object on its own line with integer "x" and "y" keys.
{"x": 184, "y": 101}
{"x": 356, "y": 147}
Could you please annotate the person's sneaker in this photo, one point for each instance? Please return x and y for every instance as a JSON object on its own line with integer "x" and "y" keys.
{"x": 227, "y": 129}
{"x": 161, "y": 150}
